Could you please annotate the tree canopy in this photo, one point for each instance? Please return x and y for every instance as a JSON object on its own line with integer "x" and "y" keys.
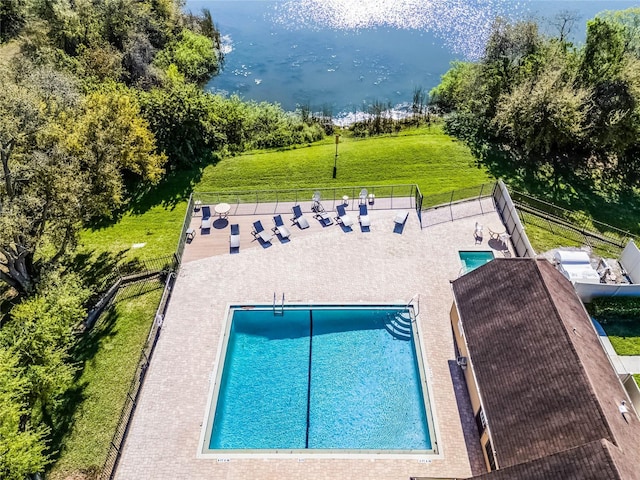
{"x": 549, "y": 105}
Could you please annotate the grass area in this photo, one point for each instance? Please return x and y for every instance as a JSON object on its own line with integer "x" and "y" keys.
{"x": 636, "y": 376}
{"x": 620, "y": 318}
{"x": 109, "y": 355}
{"x": 426, "y": 156}
{"x": 624, "y": 336}
{"x": 543, "y": 239}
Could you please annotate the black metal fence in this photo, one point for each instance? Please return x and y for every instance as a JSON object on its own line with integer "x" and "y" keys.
{"x": 135, "y": 267}
{"x": 182, "y": 241}
{"x": 117, "y": 441}
{"x": 438, "y": 208}
{"x": 300, "y": 195}
{"x": 571, "y": 226}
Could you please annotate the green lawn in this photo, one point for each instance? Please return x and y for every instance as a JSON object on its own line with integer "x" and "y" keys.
{"x": 624, "y": 336}
{"x": 426, "y": 156}
{"x": 109, "y": 355}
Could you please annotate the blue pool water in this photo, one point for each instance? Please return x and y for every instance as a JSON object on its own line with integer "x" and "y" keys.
{"x": 319, "y": 378}
{"x": 472, "y": 260}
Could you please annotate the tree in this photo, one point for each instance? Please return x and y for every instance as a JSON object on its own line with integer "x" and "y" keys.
{"x": 629, "y": 20}
{"x": 62, "y": 164}
{"x": 603, "y": 53}
{"x": 111, "y": 139}
{"x": 20, "y": 123}
{"x": 184, "y": 122}
{"x": 543, "y": 116}
{"x": 193, "y": 54}
{"x": 21, "y": 442}
{"x": 453, "y": 90}
{"x": 35, "y": 344}
{"x": 508, "y": 48}
{"x": 564, "y": 23}
{"x": 12, "y": 17}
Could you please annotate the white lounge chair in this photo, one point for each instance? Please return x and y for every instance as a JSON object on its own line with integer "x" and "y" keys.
{"x": 234, "y": 238}
{"x": 401, "y": 217}
{"x": 343, "y": 217}
{"x": 259, "y": 231}
{"x": 280, "y": 227}
{"x": 299, "y": 218}
{"x": 365, "y": 221}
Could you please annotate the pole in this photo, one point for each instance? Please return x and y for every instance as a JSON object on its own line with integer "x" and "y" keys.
{"x": 335, "y": 160}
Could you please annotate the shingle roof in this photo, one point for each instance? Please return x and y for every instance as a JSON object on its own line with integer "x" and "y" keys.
{"x": 545, "y": 382}
{"x": 586, "y": 462}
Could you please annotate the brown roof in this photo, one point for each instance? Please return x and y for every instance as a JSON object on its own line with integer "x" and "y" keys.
{"x": 591, "y": 461}
{"x": 545, "y": 382}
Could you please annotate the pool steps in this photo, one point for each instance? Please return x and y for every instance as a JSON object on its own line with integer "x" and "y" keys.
{"x": 399, "y": 325}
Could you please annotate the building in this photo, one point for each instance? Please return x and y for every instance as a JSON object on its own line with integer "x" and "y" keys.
{"x": 547, "y": 400}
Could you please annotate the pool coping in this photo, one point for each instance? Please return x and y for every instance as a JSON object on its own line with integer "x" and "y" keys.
{"x": 424, "y": 372}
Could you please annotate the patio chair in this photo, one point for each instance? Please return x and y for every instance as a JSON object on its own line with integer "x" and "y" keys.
{"x": 399, "y": 221}
{"x": 234, "y": 238}
{"x": 495, "y": 235}
{"x": 207, "y": 220}
{"x": 477, "y": 233}
{"x": 323, "y": 217}
{"x": 365, "y": 221}
{"x": 343, "y": 217}
{"x": 316, "y": 207}
{"x": 363, "y": 196}
{"x": 401, "y": 217}
{"x": 299, "y": 218}
{"x": 260, "y": 232}
{"x": 280, "y": 227}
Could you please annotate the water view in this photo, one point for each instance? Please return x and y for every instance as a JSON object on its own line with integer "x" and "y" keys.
{"x": 340, "y": 56}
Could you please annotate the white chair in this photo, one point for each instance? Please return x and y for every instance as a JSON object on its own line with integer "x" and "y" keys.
{"x": 477, "y": 234}
{"x": 401, "y": 217}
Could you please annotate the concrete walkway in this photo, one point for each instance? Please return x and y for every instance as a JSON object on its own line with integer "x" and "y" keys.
{"x": 328, "y": 266}
{"x": 622, "y": 363}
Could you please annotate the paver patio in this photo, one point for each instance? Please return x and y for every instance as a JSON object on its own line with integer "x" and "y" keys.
{"x": 325, "y": 265}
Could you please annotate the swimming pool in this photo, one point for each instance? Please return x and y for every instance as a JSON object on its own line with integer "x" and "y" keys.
{"x": 320, "y": 379}
{"x": 474, "y": 259}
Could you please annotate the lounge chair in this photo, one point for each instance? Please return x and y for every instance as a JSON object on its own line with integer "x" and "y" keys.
{"x": 207, "y": 220}
{"x": 280, "y": 227}
{"x": 401, "y": 217}
{"x": 299, "y": 218}
{"x": 234, "y": 238}
{"x": 365, "y": 221}
{"x": 316, "y": 207}
{"x": 477, "y": 234}
{"x": 343, "y": 217}
{"x": 259, "y": 231}
{"x": 324, "y": 218}
{"x": 363, "y": 196}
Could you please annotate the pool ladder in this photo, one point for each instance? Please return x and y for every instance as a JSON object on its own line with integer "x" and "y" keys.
{"x": 416, "y": 306}
{"x": 278, "y": 309}
{"x": 398, "y": 324}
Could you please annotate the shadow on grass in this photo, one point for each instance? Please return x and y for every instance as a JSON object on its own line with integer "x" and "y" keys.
{"x": 174, "y": 188}
{"x": 83, "y": 352}
{"x": 565, "y": 187}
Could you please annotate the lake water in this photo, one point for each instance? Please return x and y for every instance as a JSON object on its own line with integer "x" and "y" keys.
{"x": 342, "y": 55}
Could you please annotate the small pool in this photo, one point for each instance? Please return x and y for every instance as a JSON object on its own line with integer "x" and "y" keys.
{"x": 474, "y": 259}
{"x": 318, "y": 379}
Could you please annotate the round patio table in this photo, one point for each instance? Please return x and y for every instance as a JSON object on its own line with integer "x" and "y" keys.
{"x": 222, "y": 209}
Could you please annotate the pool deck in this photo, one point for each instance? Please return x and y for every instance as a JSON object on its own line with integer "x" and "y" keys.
{"x": 318, "y": 265}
